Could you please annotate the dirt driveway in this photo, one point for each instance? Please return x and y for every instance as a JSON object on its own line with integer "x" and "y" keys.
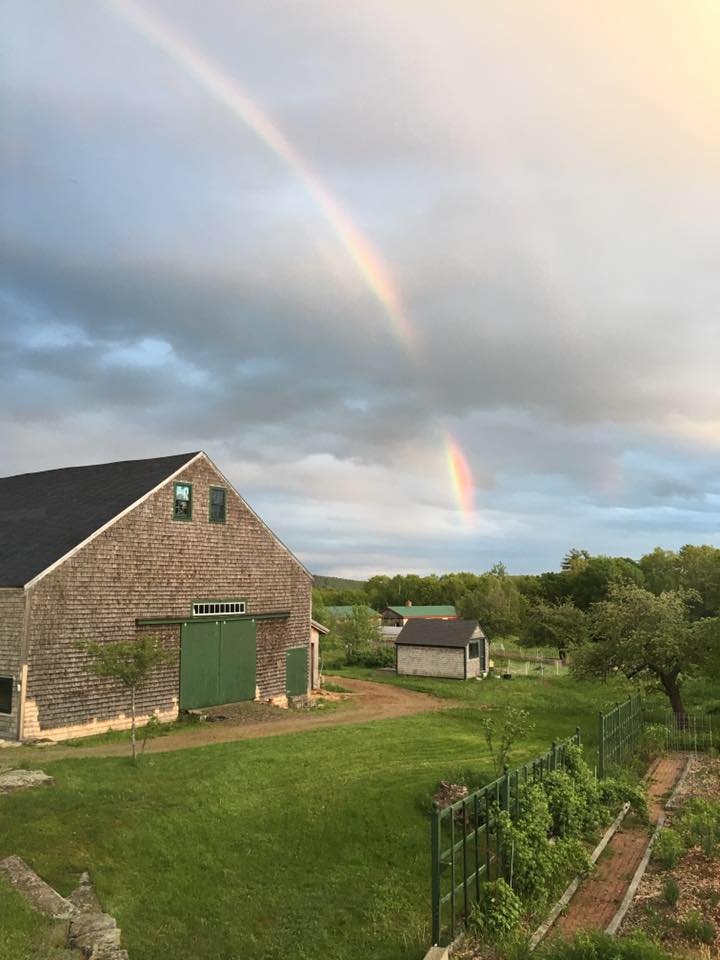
{"x": 366, "y": 701}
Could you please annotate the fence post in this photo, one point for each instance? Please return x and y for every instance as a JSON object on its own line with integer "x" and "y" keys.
{"x": 578, "y": 738}
{"x": 554, "y": 752}
{"x": 601, "y": 746}
{"x": 506, "y": 789}
{"x": 436, "y": 856}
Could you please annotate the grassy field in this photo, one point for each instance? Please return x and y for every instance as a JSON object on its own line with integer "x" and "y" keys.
{"x": 317, "y": 840}
{"x": 25, "y": 934}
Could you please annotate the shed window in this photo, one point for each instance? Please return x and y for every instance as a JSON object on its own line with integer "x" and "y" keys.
{"x": 219, "y": 608}
{"x": 474, "y": 650}
{"x": 182, "y": 501}
{"x": 218, "y": 501}
{"x": 6, "y": 692}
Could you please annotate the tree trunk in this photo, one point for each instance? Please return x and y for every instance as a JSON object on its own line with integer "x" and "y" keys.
{"x": 672, "y": 689}
{"x": 132, "y": 725}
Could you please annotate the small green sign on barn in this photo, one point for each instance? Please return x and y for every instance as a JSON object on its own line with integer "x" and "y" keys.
{"x": 296, "y": 672}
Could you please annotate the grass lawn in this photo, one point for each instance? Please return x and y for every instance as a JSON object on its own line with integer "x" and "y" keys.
{"x": 25, "y": 934}
{"x": 311, "y": 845}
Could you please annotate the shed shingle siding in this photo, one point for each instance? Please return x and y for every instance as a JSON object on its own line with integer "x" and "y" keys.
{"x": 12, "y": 608}
{"x": 147, "y": 565}
{"x": 420, "y": 661}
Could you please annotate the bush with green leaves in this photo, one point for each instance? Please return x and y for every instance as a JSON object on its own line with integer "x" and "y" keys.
{"x": 497, "y": 913}
{"x": 668, "y": 848}
{"x": 600, "y": 946}
{"x": 614, "y": 793}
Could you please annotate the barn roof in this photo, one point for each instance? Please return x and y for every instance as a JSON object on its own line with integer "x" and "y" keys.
{"x": 424, "y": 611}
{"x": 438, "y": 633}
{"x": 44, "y": 515}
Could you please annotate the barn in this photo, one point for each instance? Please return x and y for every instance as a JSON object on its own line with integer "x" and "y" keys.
{"x": 163, "y": 546}
{"x": 442, "y": 648}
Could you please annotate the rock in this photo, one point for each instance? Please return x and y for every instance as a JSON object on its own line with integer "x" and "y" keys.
{"x": 84, "y": 897}
{"x": 38, "y": 893}
{"x": 22, "y": 779}
{"x": 95, "y": 935}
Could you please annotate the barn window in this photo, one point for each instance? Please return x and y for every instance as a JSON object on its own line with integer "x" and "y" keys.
{"x": 217, "y": 508}
{"x": 6, "y": 692}
{"x": 474, "y": 650}
{"x": 218, "y": 608}
{"x": 182, "y": 501}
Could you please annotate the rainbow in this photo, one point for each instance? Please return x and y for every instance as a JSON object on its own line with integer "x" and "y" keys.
{"x": 461, "y": 476}
{"x": 230, "y": 95}
{"x": 227, "y": 92}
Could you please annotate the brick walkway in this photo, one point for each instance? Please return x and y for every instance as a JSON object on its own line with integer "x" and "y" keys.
{"x": 598, "y": 899}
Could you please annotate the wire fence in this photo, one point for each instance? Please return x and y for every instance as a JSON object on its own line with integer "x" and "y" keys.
{"x": 689, "y": 731}
{"x": 467, "y": 847}
{"x": 619, "y": 733}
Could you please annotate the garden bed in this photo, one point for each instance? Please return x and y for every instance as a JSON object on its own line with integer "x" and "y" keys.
{"x": 678, "y": 903}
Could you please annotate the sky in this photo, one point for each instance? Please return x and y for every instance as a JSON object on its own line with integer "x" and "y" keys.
{"x": 435, "y": 285}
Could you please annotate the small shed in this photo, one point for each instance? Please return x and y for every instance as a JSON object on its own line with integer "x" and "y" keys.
{"x": 442, "y": 648}
{"x": 317, "y": 630}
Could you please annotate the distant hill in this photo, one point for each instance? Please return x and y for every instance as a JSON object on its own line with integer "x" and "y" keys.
{"x": 337, "y": 583}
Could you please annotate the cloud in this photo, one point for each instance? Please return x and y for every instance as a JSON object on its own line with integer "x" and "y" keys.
{"x": 548, "y": 212}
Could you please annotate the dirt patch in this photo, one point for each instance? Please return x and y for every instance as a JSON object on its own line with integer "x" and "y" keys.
{"x": 598, "y": 899}
{"x": 366, "y": 702}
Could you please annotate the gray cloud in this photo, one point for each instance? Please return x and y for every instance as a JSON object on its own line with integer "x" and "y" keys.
{"x": 548, "y": 212}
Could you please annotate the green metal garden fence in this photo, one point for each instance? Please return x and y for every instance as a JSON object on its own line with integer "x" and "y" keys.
{"x": 619, "y": 733}
{"x": 689, "y": 731}
{"x": 467, "y": 847}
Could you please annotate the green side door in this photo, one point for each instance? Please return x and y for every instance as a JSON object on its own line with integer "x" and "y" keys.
{"x": 296, "y": 672}
{"x": 217, "y": 663}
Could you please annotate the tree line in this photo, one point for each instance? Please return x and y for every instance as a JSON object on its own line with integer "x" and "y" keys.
{"x": 657, "y": 617}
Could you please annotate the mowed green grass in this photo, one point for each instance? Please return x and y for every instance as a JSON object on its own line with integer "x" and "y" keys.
{"x": 309, "y": 845}
{"x": 25, "y": 934}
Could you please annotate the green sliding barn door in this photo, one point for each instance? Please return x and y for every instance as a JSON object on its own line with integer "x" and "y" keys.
{"x": 217, "y": 663}
{"x": 296, "y": 672}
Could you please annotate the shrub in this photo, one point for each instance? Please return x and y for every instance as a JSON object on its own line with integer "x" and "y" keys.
{"x": 600, "y": 946}
{"x": 653, "y": 742}
{"x": 614, "y": 793}
{"x": 497, "y": 913}
{"x": 668, "y": 848}
{"x": 697, "y": 928}
{"x": 671, "y": 891}
{"x": 700, "y": 825}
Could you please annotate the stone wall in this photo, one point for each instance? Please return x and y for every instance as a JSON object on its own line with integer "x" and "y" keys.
{"x": 147, "y": 565}
{"x": 431, "y": 661}
{"x": 12, "y": 608}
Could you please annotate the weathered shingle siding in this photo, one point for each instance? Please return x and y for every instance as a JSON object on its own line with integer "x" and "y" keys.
{"x": 420, "y": 661}
{"x": 12, "y": 609}
{"x": 149, "y": 565}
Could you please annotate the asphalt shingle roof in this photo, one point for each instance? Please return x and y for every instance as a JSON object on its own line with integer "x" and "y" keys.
{"x": 438, "y": 633}
{"x": 44, "y": 515}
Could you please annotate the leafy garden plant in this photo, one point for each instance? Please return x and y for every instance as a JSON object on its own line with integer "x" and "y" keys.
{"x": 498, "y": 911}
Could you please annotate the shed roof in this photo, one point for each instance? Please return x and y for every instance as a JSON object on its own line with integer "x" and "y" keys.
{"x": 438, "y": 633}
{"x": 44, "y": 515}
{"x": 431, "y": 611}
{"x": 345, "y": 610}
